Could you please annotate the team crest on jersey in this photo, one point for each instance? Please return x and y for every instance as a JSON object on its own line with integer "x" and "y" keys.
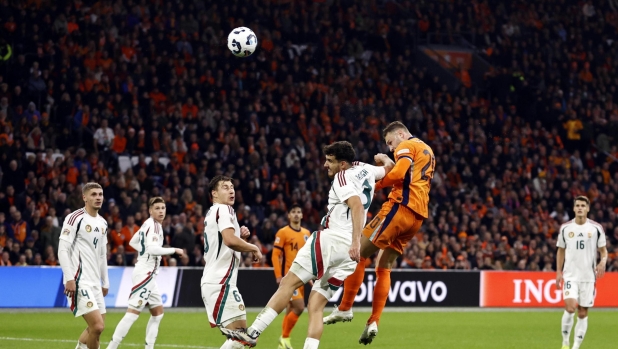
{"x": 589, "y": 235}
{"x": 566, "y": 293}
{"x": 66, "y": 232}
{"x": 241, "y": 307}
{"x": 88, "y": 228}
{"x": 89, "y": 304}
{"x": 139, "y": 304}
{"x": 155, "y": 239}
{"x": 571, "y": 234}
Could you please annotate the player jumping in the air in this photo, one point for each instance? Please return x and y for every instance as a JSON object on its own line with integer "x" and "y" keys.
{"x": 148, "y": 242}
{"x": 82, "y": 253}
{"x": 578, "y": 242}
{"x": 397, "y": 222}
{"x": 223, "y": 242}
{"x": 329, "y": 255}
{"x": 288, "y": 241}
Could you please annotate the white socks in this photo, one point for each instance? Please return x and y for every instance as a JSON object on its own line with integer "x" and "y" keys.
{"x": 580, "y": 332}
{"x": 122, "y": 329}
{"x": 263, "y": 320}
{"x": 567, "y": 324}
{"x": 311, "y": 343}
{"x": 152, "y": 330}
{"x": 81, "y": 345}
{"x": 232, "y": 344}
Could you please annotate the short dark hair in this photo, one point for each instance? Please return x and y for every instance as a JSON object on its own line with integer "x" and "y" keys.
{"x": 155, "y": 200}
{"x": 342, "y": 151}
{"x": 582, "y": 198}
{"x": 293, "y": 206}
{"x": 394, "y": 126}
{"x": 213, "y": 185}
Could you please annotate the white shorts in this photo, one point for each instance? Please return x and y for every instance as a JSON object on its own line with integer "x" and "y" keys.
{"x": 583, "y": 292}
{"x": 325, "y": 258}
{"x": 86, "y": 299}
{"x": 145, "y": 291}
{"x": 224, "y": 304}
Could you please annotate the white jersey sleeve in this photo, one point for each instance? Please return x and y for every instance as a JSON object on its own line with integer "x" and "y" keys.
{"x": 378, "y": 171}
{"x": 225, "y": 218}
{"x": 154, "y": 243}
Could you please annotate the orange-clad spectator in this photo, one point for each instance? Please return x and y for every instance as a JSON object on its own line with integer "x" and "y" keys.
{"x": 573, "y": 126}
{"x": 128, "y": 231}
{"x": 189, "y": 109}
{"x": 18, "y": 230}
{"x": 72, "y": 172}
{"x": 117, "y": 238}
{"x": 119, "y": 144}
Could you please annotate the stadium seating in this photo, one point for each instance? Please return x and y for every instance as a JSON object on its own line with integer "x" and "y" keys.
{"x": 511, "y": 152}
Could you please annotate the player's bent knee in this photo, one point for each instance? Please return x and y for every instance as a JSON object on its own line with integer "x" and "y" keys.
{"x": 97, "y": 328}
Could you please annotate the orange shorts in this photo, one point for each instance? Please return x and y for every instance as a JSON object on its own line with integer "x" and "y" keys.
{"x": 299, "y": 293}
{"x": 393, "y": 226}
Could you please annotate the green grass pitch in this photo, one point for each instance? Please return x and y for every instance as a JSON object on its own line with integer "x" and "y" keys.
{"x": 457, "y": 330}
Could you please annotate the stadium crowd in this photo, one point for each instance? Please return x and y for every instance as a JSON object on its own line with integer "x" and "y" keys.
{"x": 85, "y": 83}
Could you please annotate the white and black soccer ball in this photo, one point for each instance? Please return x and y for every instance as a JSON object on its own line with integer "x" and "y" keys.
{"x": 242, "y": 41}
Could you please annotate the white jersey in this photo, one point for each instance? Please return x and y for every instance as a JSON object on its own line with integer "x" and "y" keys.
{"x": 221, "y": 261}
{"x": 88, "y": 238}
{"x": 148, "y": 242}
{"x": 358, "y": 180}
{"x": 581, "y": 242}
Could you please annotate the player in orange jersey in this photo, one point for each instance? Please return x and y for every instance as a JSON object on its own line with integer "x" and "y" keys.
{"x": 288, "y": 241}
{"x": 397, "y": 222}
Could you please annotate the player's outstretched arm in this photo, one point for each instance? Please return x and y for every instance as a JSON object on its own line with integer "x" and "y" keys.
{"x": 396, "y": 174}
{"x": 277, "y": 255}
{"x": 559, "y": 266}
{"x": 358, "y": 219}
{"x": 153, "y": 247}
{"x": 239, "y": 245}
{"x": 384, "y": 161}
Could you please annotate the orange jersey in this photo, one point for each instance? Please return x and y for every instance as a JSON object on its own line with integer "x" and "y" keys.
{"x": 287, "y": 243}
{"x": 411, "y": 176}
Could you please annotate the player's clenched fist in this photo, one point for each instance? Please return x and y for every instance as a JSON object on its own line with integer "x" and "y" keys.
{"x": 381, "y": 159}
{"x": 244, "y": 232}
{"x": 179, "y": 252}
{"x": 257, "y": 255}
{"x": 69, "y": 288}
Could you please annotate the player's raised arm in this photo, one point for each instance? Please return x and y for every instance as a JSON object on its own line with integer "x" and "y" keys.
{"x": 397, "y": 173}
{"x": 385, "y": 162}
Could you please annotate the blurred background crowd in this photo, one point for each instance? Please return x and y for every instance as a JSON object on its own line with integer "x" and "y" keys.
{"x": 86, "y": 85}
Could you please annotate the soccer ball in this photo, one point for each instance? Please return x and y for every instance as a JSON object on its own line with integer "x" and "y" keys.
{"x": 242, "y": 42}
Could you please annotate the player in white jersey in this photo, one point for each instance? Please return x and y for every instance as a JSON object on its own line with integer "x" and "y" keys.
{"x": 330, "y": 255}
{"x": 577, "y": 269}
{"x": 82, "y": 253}
{"x": 223, "y": 243}
{"x": 148, "y": 242}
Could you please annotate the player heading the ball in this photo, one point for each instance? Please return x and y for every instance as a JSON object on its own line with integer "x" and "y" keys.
{"x": 329, "y": 255}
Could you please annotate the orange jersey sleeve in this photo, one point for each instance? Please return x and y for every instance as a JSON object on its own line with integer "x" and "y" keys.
{"x": 411, "y": 177}
{"x": 287, "y": 243}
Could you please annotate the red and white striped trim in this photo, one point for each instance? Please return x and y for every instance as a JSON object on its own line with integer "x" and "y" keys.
{"x": 341, "y": 178}
{"x": 74, "y": 216}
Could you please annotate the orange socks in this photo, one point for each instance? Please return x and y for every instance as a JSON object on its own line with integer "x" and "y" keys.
{"x": 351, "y": 285}
{"x": 288, "y": 324}
{"x": 380, "y": 293}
